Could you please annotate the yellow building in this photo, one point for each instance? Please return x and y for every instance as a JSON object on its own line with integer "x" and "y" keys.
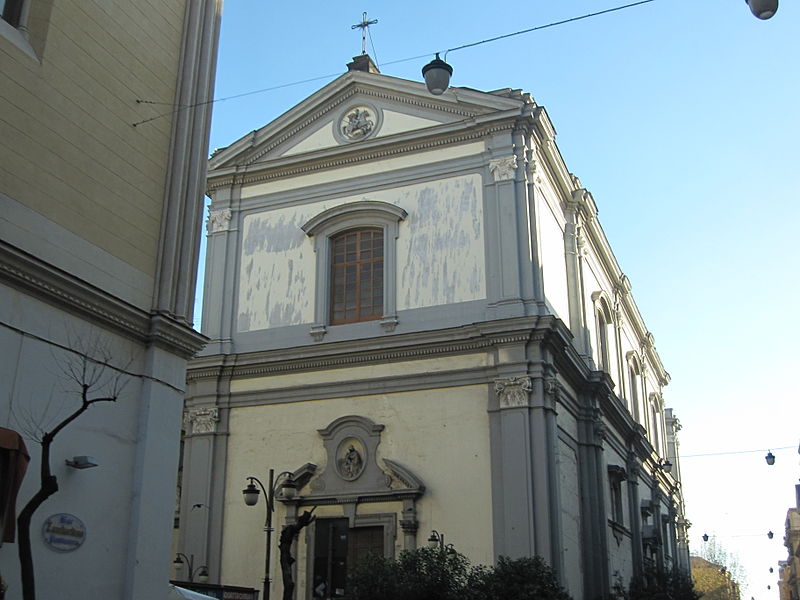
{"x": 789, "y": 583}
{"x": 100, "y": 218}
{"x": 413, "y": 309}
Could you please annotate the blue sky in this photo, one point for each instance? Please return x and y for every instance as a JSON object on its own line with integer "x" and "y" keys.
{"x": 681, "y": 119}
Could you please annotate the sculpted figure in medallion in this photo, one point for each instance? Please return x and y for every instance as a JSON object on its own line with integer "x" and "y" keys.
{"x": 357, "y": 124}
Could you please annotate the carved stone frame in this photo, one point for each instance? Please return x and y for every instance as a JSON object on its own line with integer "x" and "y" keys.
{"x": 365, "y": 213}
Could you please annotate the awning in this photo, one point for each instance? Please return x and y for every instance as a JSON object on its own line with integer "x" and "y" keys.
{"x": 179, "y": 593}
{"x": 14, "y": 459}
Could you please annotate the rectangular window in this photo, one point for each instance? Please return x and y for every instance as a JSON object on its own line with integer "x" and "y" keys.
{"x": 11, "y": 11}
{"x": 357, "y": 276}
{"x": 337, "y": 547}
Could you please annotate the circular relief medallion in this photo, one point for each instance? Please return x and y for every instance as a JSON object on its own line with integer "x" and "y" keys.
{"x": 358, "y": 122}
{"x": 350, "y": 459}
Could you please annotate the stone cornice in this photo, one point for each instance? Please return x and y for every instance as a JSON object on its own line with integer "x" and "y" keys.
{"x": 361, "y": 90}
{"x": 49, "y": 284}
{"x": 412, "y": 346}
{"x": 346, "y": 156}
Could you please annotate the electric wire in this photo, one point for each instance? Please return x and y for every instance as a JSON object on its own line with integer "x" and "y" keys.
{"x": 178, "y": 108}
{"x": 735, "y": 452}
{"x": 372, "y": 45}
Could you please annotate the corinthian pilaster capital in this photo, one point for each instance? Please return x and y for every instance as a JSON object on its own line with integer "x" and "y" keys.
{"x": 201, "y": 420}
{"x": 513, "y": 391}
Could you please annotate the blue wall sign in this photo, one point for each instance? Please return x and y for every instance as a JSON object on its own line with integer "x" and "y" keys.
{"x": 63, "y": 532}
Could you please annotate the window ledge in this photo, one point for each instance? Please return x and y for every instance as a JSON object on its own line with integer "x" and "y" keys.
{"x": 17, "y": 38}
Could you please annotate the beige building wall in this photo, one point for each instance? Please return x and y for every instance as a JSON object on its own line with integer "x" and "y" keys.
{"x": 70, "y": 152}
{"x": 101, "y": 199}
{"x": 439, "y": 435}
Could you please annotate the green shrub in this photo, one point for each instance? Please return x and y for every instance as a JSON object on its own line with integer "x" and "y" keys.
{"x": 527, "y": 578}
{"x": 435, "y": 574}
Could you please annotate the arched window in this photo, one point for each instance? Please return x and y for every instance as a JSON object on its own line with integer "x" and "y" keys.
{"x": 356, "y": 264}
{"x": 602, "y": 322}
{"x": 356, "y": 276}
{"x": 634, "y": 386}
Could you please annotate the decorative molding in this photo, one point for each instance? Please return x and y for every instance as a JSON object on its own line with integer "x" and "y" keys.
{"x": 366, "y": 154}
{"x": 352, "y": 472}
{"x": 219, "y": 220}
{"x": 503, "y": 169}
{"x": 358, "y": 123}
{"x": 317, "y": 332}
{"x": 462, "y": 340}
{"x": 201, "y": 420}
{"x": 346, "y": 95}
{"x": 389, "y": 323}
{"x": 552, "y": 387}
{"x": 513, "y": 392}
{"x": 66, "y": 292}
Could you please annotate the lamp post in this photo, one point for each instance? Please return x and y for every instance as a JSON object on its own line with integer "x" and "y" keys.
{"x": 436, "y": 539}
{"x": 201, "y": 571}
{"x": 251, "y": 494}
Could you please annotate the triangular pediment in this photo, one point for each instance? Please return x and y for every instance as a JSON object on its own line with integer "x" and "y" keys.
{"x": 357, "y": 108}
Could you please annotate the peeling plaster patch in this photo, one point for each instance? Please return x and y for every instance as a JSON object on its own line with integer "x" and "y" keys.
{"x": 268, "y": 235}
{"x": 440, "y": 254}
{"x": 441, "y": 258}
{"x": 244, "y": 322}
{"x": 274, "y": 283}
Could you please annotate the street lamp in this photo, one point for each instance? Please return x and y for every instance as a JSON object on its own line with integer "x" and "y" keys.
{"x": 201, "y": 571}
{"x": 705, "y": 537}
{"x": 666, "y": 466}
{"x": 770, "y": 535}
{"x": 437, "y": 75}
{"x": 770, "y": 458}
{"x": 436, "y": 539}
{"x": 251, "y": 493}
{"x": 763, "y": 9}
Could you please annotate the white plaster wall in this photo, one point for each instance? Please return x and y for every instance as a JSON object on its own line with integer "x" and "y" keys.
{"x": 440, "y": 435}
{"x": 322, "y": 138}
{"x": 440, "y": 253}
{"x": 396, "y": 122}
{"x": 554, "y": 266}
{"x": 405, "y": 161}
{"x": 393, "y": 122}
{"x": 35, "y": 394}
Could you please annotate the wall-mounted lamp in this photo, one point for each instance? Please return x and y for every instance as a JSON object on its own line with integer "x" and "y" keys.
{"x": 763, "y": 9}
{"x": 770, "y": 458}
{"x": 666, "y": 466}
{"x": 437, "y": 76}
{"x": 81, "y": 462}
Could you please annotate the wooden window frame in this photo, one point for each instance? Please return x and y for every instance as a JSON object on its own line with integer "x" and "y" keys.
{"x": 363, "y": 261}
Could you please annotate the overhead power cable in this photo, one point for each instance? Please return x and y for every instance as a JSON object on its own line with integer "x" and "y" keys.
{"x": 178, "y": 108}
{"x": 735, "y": 452}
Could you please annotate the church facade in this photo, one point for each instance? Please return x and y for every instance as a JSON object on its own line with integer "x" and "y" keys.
{"x": 414, "y": 311}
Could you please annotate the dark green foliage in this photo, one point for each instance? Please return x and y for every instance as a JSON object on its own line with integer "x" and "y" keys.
{"x": 528, "y": 578}
{"x": 422, "y": 574}
{"x": 666, "y": 585}
{"x": 434, "y": 574}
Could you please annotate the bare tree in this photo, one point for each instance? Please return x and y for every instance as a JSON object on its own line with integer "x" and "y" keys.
{"x": 714, "y": 552}
{"x": 87, "y": 370}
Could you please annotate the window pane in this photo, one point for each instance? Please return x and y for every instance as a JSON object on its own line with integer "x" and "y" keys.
{"x": 357, "y": 276}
